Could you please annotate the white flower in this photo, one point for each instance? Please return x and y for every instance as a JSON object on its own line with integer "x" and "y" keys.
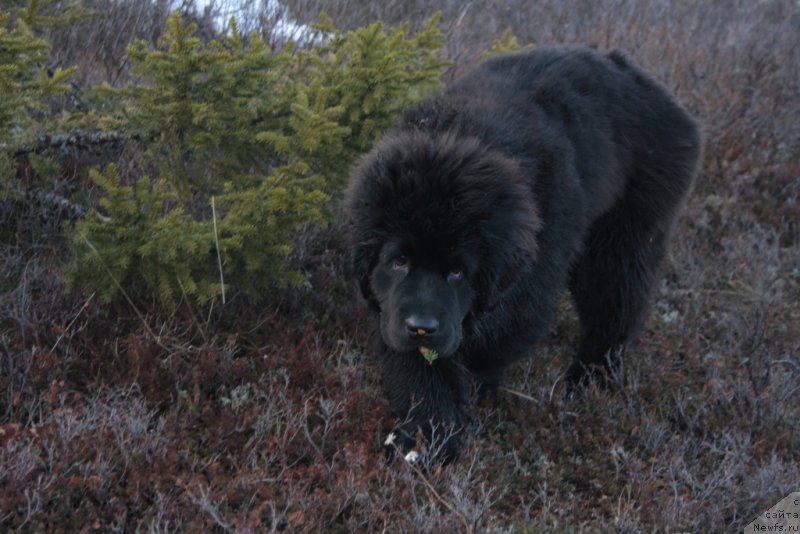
{"x": 411, "y": 457}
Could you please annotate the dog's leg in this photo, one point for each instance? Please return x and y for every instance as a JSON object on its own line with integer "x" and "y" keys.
{"x": 429, "y": 398}
{"x": 611, "y": 284}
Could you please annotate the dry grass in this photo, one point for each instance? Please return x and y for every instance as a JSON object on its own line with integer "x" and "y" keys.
{"x": 260, "y": 417}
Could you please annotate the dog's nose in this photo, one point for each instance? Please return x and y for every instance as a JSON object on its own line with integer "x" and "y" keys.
{"x": 421, "y": 325}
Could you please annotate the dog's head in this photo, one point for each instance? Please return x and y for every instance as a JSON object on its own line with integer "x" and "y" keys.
{"x": 439, "y": 227}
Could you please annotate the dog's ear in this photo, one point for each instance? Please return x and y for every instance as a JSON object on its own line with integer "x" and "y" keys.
{"x": 509, "y": 274}
{"x": 508, "y": 229}
{"x": 365, "y": 257}
{"x": 502, "y": 273}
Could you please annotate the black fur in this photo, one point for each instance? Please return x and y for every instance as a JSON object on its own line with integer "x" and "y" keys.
{"x": 537, "y": 172}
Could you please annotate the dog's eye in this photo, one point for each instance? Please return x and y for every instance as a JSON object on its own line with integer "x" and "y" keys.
{"x": 455, "y": 275}
{"x": 400, "y": 262}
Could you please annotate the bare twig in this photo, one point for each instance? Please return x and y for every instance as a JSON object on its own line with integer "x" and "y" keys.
{"x": 447, "y": 504}
{"x": 411, "y": 462}
{"x": 216, "y": 241}
{"x": 156, "y": 338}
{"x": 517, "y": 393}
{"x": 66, "y": 329}
{"x": 74, "y": 139}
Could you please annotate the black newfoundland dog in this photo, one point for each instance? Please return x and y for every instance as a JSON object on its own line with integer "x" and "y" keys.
{"x": 537, "y": 172}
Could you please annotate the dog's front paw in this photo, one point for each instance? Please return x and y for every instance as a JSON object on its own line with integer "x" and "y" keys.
{"x": 399, "y": 444}
{"x": 426, "y": 442}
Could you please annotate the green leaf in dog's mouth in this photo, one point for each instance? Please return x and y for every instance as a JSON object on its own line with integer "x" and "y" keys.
{"x": 429, "y": 354}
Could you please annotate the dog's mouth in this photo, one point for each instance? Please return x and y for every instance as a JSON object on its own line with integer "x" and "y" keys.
{"x": 429, "y": 349}
{"x": 419, "y": 343}
{"x": 432, "y": 349}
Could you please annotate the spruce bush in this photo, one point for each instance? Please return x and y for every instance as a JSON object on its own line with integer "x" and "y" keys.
{"x": 24, "y": 83}
{"x": 268, "y": 136}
